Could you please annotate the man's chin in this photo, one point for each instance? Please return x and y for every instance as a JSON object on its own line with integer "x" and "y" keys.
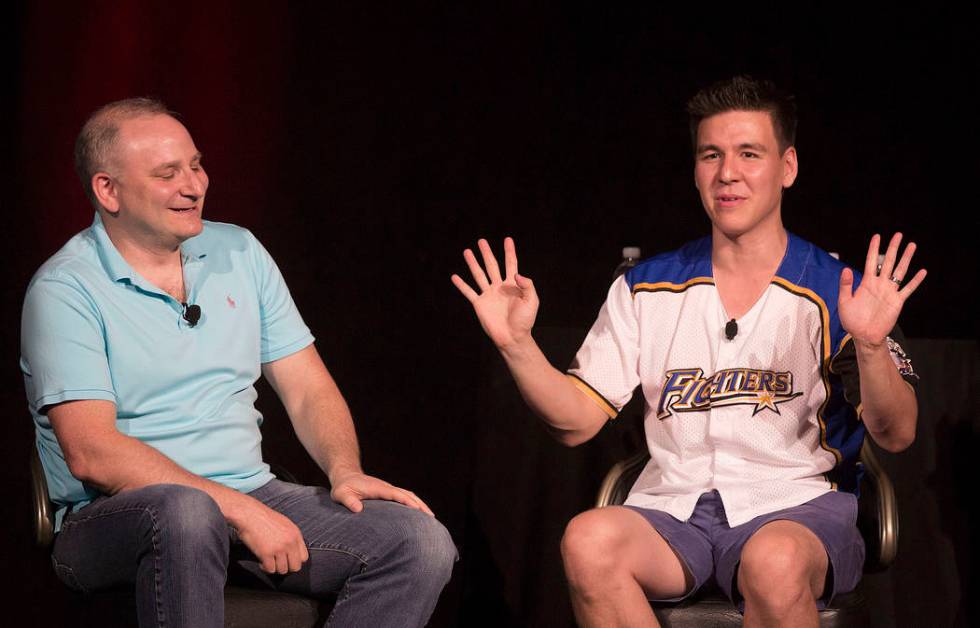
{"x": 192, "y": 233}
{"x": 732, "y": 229}
{"x": 190, "y": 230}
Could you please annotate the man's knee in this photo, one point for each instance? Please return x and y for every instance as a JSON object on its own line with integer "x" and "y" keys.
{"x": 415, "y": 542}
{"x": 185, "y": 517}
{"x": 779, "y": 569}
{"x": 437, "y": 552}
{"x": 590, "y": 547}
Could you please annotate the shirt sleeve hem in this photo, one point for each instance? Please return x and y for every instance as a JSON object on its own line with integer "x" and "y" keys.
{"x": 594, "y": 395}
{"x": 287, "y": 350}
{"x": 76, "y": 394}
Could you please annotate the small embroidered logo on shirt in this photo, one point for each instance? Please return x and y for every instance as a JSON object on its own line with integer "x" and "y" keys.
{"x": 901, "y": 360}
{"x": 231, "y": 302}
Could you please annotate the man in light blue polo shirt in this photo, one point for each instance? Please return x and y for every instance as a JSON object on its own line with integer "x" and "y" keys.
{"x": 141, "y": 341}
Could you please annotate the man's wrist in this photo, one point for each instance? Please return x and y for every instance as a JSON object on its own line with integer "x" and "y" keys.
{"x": 865, "y": 347}
{"x": 235, "y": 507}
{"x": 337, "y": 474}
{"x": 520, "y": 349}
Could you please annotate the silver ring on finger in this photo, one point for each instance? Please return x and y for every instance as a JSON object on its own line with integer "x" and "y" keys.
{"x": 895, "y": 280}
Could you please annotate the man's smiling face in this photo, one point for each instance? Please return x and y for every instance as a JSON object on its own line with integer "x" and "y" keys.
{"x": 740, "y": 171}
{"x": 158, "y": 182}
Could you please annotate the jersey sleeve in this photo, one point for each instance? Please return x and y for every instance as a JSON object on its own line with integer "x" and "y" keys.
{"x": 283, "y": 330}
{"x": 844, "y": 364}
{"x": 606, "y": 367}
{"x": 63, "y": 350}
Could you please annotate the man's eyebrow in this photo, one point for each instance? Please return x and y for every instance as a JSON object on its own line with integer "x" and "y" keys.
{"x": 176, "y": 163}
{"x": 759, "y": 148}
{"x": 167, "y": 166}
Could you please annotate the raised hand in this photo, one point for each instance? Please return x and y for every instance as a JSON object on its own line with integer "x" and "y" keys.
{"x": 506, "y": 306}
{"x": 870, "y": 312}
{"x": 351, "y": 489}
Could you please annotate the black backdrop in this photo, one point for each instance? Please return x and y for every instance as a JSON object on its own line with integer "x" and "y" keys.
{"x": 366, "y": 147}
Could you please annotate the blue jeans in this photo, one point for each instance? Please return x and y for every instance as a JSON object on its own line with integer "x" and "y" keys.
{"x": 386, "y": 565}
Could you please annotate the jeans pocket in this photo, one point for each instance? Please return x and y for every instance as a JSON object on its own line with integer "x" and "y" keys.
{"x": 67, "y": 575}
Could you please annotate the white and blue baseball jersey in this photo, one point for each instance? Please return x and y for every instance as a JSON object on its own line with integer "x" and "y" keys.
{"x": 769, "y": 418}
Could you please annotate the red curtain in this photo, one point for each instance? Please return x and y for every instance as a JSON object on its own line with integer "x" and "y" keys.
{"x": 221, "y": 68}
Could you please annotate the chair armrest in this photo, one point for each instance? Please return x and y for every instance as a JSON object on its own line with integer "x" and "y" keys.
{"x": 43, "y": 513}
{"x": 620, "y": 478}
{"x": 880, "y": 526}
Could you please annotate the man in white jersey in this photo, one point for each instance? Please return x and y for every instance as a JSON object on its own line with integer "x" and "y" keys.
{"x": 763, "y": 362}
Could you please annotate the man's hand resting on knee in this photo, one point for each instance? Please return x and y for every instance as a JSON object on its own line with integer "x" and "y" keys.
{"x": 351, "y": 488}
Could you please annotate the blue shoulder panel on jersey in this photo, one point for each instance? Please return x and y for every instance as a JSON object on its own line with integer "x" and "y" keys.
{"x": 690, "y": 261}
{"x": 808, "y": 267}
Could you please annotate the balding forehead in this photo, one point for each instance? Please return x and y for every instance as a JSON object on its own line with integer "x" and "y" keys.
{"x": 137, "y": 125}
{"x": 150, "y": 133}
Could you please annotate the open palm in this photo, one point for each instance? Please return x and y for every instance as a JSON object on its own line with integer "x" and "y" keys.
{"x": 505, "y": 305}
{"x": 870, "y": 312}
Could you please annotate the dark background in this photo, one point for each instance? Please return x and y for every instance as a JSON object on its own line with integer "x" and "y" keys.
{"x": 366, "y": 147}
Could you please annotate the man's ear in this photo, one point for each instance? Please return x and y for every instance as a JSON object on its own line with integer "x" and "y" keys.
{"x": 105, "y": 190}
{"x": 790, "y": 166}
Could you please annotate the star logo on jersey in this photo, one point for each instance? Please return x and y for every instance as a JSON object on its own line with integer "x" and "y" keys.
{"x": 687, "y": 390}
{"x": 765, "y": 401}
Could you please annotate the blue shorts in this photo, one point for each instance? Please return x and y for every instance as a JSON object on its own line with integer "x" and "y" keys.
{"x": 709, "y": 547}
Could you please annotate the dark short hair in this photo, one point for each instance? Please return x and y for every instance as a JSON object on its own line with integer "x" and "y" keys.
{"x": 94, "y": 144}
{"x": 744, "y": 93}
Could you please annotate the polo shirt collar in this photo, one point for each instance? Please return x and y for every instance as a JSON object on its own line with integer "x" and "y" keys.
{"x": 195, "y": 249}
{"x": 192, "y": 251}
{"x": 118, "y": 268}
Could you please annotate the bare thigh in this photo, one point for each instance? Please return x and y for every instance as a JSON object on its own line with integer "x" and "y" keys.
{"x": 622, "y": 539}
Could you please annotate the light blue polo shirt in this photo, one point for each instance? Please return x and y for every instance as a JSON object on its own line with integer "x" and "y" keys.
{"x": 93, "y": 328}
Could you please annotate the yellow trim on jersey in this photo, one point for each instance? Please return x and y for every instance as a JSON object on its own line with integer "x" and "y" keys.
{"x": 843, "y": 341}
{"x": 833, "y": 485}
{"x": 671, "y": 287}
{"x": 594, "y": 395}
{"x": 825, "y": 362}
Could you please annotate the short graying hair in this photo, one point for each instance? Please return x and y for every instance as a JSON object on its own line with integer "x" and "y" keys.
{"x": 95, "y": 141}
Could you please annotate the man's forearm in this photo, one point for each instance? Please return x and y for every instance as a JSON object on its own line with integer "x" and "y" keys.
{"x": 120, "y": 462}
{"x": 317, "y": 410}
{"x": 325, "y": 427}
{"x": 888, "y": 403}
{"x": 573, "y": 417}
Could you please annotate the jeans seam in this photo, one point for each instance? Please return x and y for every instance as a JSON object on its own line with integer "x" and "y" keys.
{"x": 161, "y": 616}
{"x": 344, "y": 595}
{"x": 343, "y": 550}
{"x": 60, "y": 567}
{"x": 76, "y": 520}
{"x": 148, "y": 510}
